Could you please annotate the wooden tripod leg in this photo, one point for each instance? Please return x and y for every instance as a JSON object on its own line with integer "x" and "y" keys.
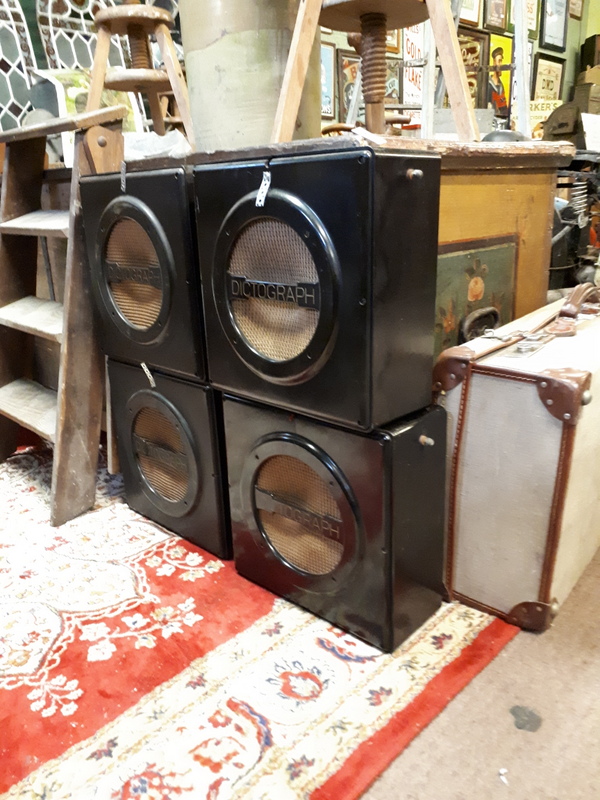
{"x": 444, "y": 32}
{"x": 99, "y": 69}
{"x": 296, "y": 68}
{"x": 178, "y": 83}
{"x": 156, "y": 112}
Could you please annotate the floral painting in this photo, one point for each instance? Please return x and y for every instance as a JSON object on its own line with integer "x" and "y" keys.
{"x": 473, "y": 276}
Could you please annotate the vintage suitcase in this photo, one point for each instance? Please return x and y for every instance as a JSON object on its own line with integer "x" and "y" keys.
{"x": 524, "y": 460}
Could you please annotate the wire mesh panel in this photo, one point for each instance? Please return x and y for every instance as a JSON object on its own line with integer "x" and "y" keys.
{"x": 273, "y": 262}
{"x": 16, "y": 60}
{"x": 133, "y": 273}
{"x": 160, "y": 454}
{"x": 299, "y": 515}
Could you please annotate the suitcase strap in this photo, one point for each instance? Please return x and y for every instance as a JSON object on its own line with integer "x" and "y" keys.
{"x": 452, "y": 365}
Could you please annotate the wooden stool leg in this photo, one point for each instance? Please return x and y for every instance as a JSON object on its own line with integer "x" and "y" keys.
{"x": 99, "y": 69}
{"x": 178, "y": 84}
{"x": 442, "y": 23}
{"x": 156, "y": 112}
{"x": 296, "y": 68}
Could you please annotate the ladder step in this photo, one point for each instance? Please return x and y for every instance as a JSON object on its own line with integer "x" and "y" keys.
{"x": 31, "y": 405}
{"x": 38, "y": 223}
{"x": 34, "y": 315}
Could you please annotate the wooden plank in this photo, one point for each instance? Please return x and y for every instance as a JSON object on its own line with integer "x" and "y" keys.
{"x": 99, "y": 70}
{"x": 81, "y": 379}
{"x": 521, "y": 155}
{"x": 39, "y": 223}
{"x": 296, "y": 68}
{"x": 104, "y": 149}
{"x": 446, "y": 40}
{"x": 36, "y": 316}
{"x": 82, "y": 121}
{"x": 30, "y": 405}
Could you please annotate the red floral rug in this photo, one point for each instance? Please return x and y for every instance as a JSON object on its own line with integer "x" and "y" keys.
{"x": 135, "y": 665}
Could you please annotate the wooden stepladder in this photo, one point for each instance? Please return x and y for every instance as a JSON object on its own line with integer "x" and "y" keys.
{"x": 372, "y": 18}
{"x": 70, "y": 418}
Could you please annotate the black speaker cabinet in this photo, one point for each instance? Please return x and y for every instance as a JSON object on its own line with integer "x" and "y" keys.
{"x": 319, "y": 292}
{"x": 143, "y": 258}
{"x": 348, "y": 525}
{"x": 170, "y": 443}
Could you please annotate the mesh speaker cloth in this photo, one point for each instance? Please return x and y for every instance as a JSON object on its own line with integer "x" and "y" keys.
{"x": 129, "y": 246}
{"x": 292, "y": 481}
{"x": 270, "y": 250}
{"x": 169, "y": 480}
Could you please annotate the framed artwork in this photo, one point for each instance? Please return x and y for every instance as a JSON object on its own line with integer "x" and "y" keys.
{"x": 473, "y": 275}
{"x": 553, "y": 28}
{"x": 393, "y": 83}
{"x": 548, "y": 76}
{"x": 495, "y": 16}
{"x": 470, "y": 12}
{"x": 392, "y": 42}
{"x": 474, "y": 50}
{"x": 533, "y": 17}
{"x": 576, "y": 9}
{"x": 499, "y": 75}
{"x": 327, "y": 81}
{"x": 412, "y": 77}
{"x": 347, "y": 64}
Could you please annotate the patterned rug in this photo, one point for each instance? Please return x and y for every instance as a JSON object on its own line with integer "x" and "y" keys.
{"x": 135, "y": 665}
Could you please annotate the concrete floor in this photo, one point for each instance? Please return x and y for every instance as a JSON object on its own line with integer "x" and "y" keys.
{"x": 551, "y": 681}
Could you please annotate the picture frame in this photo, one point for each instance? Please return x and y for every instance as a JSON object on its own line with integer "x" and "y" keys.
{"x": 347, "y": 68}
{"x": 499, "y": 75}
{"x": 576, "y": 9}
{"x": 474, "y": 49}
{"x": 470, "y": 12}
{"x": 327, "y": 80}
{"x": 548, "y": 77}
{"x": 392, "y": 42}
{"x": 495, "y": 15}
{"x": 553, "y": 25}
{"x": 533, "y": 18}
{"x": 393, "y": 82}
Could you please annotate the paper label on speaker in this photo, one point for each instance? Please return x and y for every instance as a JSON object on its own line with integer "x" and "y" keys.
{"x": 149, "y": 275}
{"x": 329, "y": 527}
{"x": 264, "y": 189}
{"x": 305, "y": 295}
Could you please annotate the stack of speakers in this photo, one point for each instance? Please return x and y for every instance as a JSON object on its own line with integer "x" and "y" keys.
{"x": 269, "y": 331}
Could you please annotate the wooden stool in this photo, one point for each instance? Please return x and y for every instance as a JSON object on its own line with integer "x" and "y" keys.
{"x": 138, "y": 22}
{"x": 372, "y": 18}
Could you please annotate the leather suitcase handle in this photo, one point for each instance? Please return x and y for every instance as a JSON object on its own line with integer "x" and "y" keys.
{"x": 579, "y": 295}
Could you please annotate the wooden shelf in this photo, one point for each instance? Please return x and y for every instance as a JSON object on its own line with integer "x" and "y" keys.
{"x": 31, "y": 405}
{"x": 38, "y": 223}
{"x": 36, "y": 316}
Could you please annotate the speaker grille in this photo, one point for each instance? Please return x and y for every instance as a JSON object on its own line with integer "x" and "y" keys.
{"x": 161, "y": 456}
{"x": 301, "y": 529}
{"x": 271, "y": 251}
{"x": 138, "y": 300}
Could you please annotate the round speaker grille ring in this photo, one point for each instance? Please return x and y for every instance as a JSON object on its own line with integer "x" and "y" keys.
{"x": 164, "y": 454}
{"x": 276, "y": 286}
{"x": 303, "y": 509}
{"x": 136, "y": 268}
